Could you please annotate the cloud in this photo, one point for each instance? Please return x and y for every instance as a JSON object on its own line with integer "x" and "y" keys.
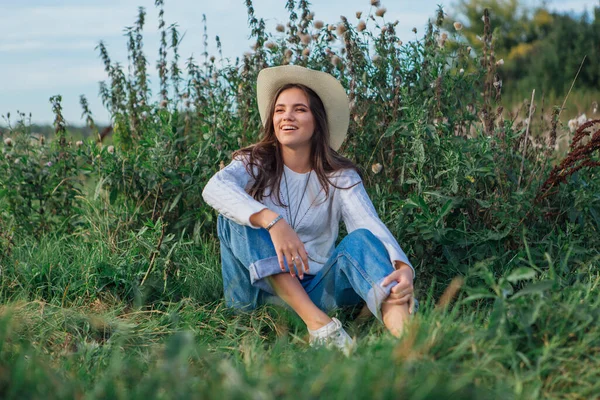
{"x": 50, "y": 75}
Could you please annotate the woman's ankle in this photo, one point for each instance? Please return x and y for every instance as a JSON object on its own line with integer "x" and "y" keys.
{"x": 318, "y": 321}
{"x": 394, "y": 317}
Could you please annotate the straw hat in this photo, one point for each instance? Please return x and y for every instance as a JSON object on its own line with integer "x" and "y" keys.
{"x": 329, "y": 89}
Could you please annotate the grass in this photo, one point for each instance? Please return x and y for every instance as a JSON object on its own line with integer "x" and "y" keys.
{"x": 65, "y": 334}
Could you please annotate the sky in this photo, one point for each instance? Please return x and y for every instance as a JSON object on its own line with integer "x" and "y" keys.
{"x": 48, "y": 47}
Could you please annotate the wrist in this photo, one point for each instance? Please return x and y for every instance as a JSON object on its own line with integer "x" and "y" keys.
{"x": 263, "y": 218}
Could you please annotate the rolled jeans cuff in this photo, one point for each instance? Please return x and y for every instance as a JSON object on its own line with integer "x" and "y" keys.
{"x": 262, "y": 269}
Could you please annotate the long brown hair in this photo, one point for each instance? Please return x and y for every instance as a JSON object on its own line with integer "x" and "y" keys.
{"x": 265, "y": 156}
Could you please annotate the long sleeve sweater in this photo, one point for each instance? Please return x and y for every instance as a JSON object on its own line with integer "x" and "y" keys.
{"x": 316, "y": 216}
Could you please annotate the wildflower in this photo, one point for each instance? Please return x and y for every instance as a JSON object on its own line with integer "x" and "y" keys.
{"x": 306, "y": 52}
{"x": 358, "y": 14}
{"x": 470, "y": 178}
{"x": 280, "y": 28}
{"x": 319, "y": 24}
{"x": 414, "y": 30}
{"x": 376, "y": 168}
{"x": 305, "y": 39}
{"x": 384, "y": 29}
{"x": 221, "y": 165}
{"x": 458, "y": 26}
{"x": 270, "y": 45}
{"x": 381, "y": 12}
{"x": 17, "y": 161}
{"x": 468, "y": 49}
{"x": 311, "y": 16}
{"x": 432, "y": 85}
{"x": 111, "y": 149}
{"x": 582, "y": 119}
{"x": 461, "y": 71}
{"x": 376, "y": 58}
{"x": 399, "y": 42}
{"x": 362, "y": 25}
{"x": 288, "y": 53}
{"x": 483, "y": 18}
{"x": 572, "y": 125}
{"x": 212, "y": 59}
{"x": 331, "y": 27}
{"x": 49, "y": 164}
{"x": 144, "y": 115}
{"x": 79, "y": 143}
{"x": 594, "y": 107}
{"x": 479, "y": 38}
{"x": 442, "y": 39}
{"x": 8, "y": 141}
{"x": 42, "y": 140}
{"x": 498, "y": 84}
{"x": 341, "y": 29}
{"x": 375, "y": 3}
{"x": 163, "y": 103}
{"x": 500, "y": 62}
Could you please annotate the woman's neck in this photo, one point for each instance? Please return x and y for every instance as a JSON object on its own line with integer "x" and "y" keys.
{"x": 298, "y": 160}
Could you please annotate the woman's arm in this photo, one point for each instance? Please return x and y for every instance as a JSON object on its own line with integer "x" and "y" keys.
{"x": 226, "y": 193}
{"x": 358, "y": 212}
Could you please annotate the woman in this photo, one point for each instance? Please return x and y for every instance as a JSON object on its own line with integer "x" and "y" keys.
{"x": 280, "y": 203}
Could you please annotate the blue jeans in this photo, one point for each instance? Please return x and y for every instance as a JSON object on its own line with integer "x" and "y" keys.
{"x": 353, "y": 273}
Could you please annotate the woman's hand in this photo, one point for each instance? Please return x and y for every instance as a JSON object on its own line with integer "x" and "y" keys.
{"x": 403, "y": 292}
{"x": 287, "y": 243}
{"x": 289, "y": 247}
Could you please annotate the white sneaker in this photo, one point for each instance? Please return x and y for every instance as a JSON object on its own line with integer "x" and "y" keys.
{"x": 332, "y": 335}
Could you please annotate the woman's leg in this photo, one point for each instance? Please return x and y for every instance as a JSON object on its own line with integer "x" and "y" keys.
{"x": 353, "y": 273}
{"x": 290, "y": 290}
{"x": 251, "y": 272}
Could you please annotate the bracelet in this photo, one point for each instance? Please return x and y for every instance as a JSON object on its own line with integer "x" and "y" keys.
{"x": 268, "y": 227}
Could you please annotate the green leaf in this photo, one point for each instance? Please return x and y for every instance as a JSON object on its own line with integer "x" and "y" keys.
{"x": 521, "y": 274}
{"x": 113, "y": 196}
{"x": 175, "y": 201}
{"x": 534, "y": 288}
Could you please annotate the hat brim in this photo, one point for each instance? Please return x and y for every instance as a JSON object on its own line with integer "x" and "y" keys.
{"x": 329, "y": 89}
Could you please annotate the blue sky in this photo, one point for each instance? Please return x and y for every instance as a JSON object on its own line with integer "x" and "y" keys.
{"x": 47, "y": 47}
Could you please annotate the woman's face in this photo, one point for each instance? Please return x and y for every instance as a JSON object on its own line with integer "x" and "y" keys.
{"x": 292, "y": 119}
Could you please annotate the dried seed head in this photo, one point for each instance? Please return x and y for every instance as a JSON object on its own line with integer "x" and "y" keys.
{"x": 399, "y": 42}
{"x": 376, "y": 58}
{"x": 358, "y": 14}
{"x": 335, "y": 60}
{"x": 164, "y": 103}
{"x": 311, "y": 16}
{"x": 461, "y": 71}
{"x": 331, "y": 27}
{"x": 221, "y": 165}
{"x": 375, "y": 3}
{"x": 212, "y": 59}
{"x": 187, "y": 104}
{"x": 362, "y": 25}
{"x": 594, "y": 107}
{"x": 305, "y": 39}
{"x": 414, "y": 30}
{"x": 341, "y": 29}
{"x": 288, "y": 53}
{"x": 376, "y": 168}
{"x": 306, "y": 52}
{"x": 42, "y": 140}
{"x": 280, "y": 28}
{"x": 468, "y": 49}
{"x": 384, "y": 29}
{"x": 319, "y": 24}
{"x": 79, "y": 143}
{"x": 500, "y": 62}
{"x": 270, "y": 45}
{"x": 8, "y": 142}
{"x": 444, "y": 36}
{"x": 111, "y": 149}
{"x": 381, "y": 12}
{"x": 458, "y": 26}
{"x": 498, "y": 84}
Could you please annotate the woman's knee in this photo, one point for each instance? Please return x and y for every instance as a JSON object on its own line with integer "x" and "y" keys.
{"x": 359, "y": 238}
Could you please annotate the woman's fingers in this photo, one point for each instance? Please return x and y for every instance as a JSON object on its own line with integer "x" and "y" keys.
{"x": 399, "y": 300}
{"x": 280, "y": 259}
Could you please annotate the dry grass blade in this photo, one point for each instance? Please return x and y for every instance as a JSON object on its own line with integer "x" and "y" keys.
{"x": 450, "y": 293}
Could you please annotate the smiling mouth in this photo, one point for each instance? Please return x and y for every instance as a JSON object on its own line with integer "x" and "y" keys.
{"x": 289, "y": 128}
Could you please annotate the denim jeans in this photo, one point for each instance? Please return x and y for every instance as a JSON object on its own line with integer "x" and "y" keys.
{"x": 353, "y": 272}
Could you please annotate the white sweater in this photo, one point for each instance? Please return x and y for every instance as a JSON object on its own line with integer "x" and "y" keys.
{"x": 317, "y": 222}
